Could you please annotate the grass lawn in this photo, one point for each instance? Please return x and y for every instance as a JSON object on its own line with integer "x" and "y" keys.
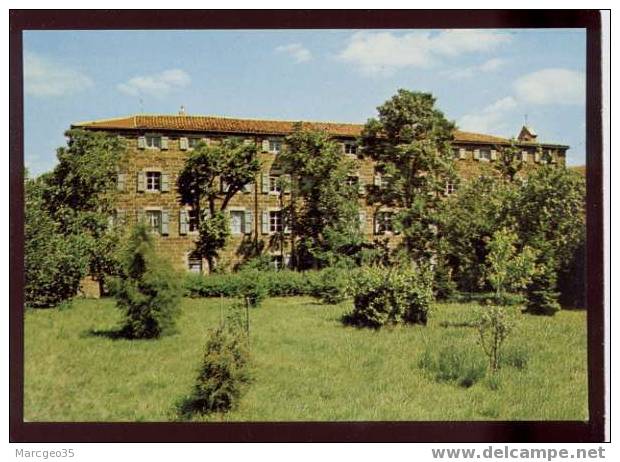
{"x": 306, "y": 366}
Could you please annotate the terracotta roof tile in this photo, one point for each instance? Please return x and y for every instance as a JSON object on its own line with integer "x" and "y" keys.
{"x": 250, "y": 126}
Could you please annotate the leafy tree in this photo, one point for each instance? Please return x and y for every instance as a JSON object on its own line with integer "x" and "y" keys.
{"x": 548, "y": 214}
{"x": 324, "y": 208}
{"x": 80, "y": 192}
{"x": 54, "y": 264}
{"x": 506, "y": 267}
{"x": 230, "y": 162}
{"x": 470, "y": 218}
{"x": 148, "y": 291}
{"x": 541, "y": 293}
{"x": 411, "y": 144}
{"x": 509, "y": 162}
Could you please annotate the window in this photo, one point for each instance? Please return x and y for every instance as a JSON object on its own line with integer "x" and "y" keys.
{"x": 353, "y": 181}
{"x": 383, "y": 222}
{"x": 236, "y": 221}
{"x": 450, "y": 188}
{"x": 153, "y": 181}
{"x": 275, "y": 146}
{"x": 194, "y": 263}
{"x": 153, "y": 220}
{"x": 350, "y": 148}
{"x": 277, "y": 262}
{"x": 192, "y": 222}
{"x": 485, "y": 154}
{"x": 153, "y": 141}
{"x": 275, "y": 221}
{"x": 193, "y": 141}
{"x": 274, "y": 184}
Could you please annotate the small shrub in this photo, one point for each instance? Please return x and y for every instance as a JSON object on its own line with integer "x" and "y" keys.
{"x": 223, "y": 372}
{"x": 252, "y": 287}
{"x": 542, "y": 298}
{"x": 494, "y": 325}
{"x": 333, "y": 286}
{"x": 287, "y": 283}
{"x": 147, "y": 292}
{"x": 386, "y": 297}
{"x": 453, "y": 364}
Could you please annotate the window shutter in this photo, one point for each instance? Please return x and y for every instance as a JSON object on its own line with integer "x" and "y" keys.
{"x": 362, "y": 221}
{"x": 141, "y": 142}
{"x": 493, "y": 154}
{"x": 376, "y": 223}
{"x": 537, "y": 156}
{"x": 265, "y": 145}
{"x": 286, "y": 228}
{"x": 476, "y": 154}
{"x": 165, "y": 182}
{"x": 121, "y": 217}
{"x": 164, "y": 142}
{"x": 141, "y": 181}
{"x": 287, "y": 260}
{"x": 165, "y": 221}
{"x": 552, "y": 158}
{"x": 524, "y": 156}
{"x": 247, "y": 188}
{"x": 121, "y": 180}
{"x": 377, "y": 180}
{"x": 265, "y": 183}
{"x": 462, "y": 153}
{"x": 223, "y": 185}
{"x": 248, "y": 222}
{"x": 140, "y": 216}
{"x": 265, "y": 223}
{"x": 361, "y": 186}
{"x": 183, "y": 222}
{"x": 183, "y": 143}
{"x": 287, "y": 183}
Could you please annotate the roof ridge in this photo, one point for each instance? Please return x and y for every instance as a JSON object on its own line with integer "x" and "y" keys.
{"x": 110, "y": 119}
{"x": 254, "y": 119}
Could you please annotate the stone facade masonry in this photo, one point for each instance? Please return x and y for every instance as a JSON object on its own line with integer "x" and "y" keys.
{"x": 176, "y": 241}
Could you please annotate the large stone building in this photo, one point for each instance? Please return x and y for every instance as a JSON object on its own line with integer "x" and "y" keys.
{"x": 159, "y": 144}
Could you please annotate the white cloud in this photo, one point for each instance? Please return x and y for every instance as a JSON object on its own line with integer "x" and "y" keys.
{"x": 488, "y": 66}
{"x": 46, "y": 77}
{"x": 383, "y": 53}
{"x": 297, "y": 51}
{"x": 490, "y": 118}
{"x": 155, "y": 84}
{"x": 552, "y": 86}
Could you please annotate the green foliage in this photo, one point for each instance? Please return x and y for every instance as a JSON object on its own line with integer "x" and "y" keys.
{"x": 541, "y": 294}
{"x": 80, "y": 192}
{"x": 252, "y": 287}
{"x": 384, "y": 297}
{"x": 509, "y": 162}
{"x": 507, "y": 268}
{"x": 323, "y": 208}
{"x": 231, "y": 162}
{"x": 518, "y": 357}
{"x": 462, "y": 366}
{"x": 148, "y": 292}
{"x": 333, "y": 286}
{"x": 410, "y": 142}
{"x": 224, "y": 370}
{"x": 54, "y": 264}
{"x": 494, "y": 325}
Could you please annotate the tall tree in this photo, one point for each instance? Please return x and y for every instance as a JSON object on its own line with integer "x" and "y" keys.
{"x": 324, "y": 208}
{"x": 79, "y": 195}
{"x": 411, "y": 144}
{"x": 231, "y": 163}
{"x": 509, "y": 163}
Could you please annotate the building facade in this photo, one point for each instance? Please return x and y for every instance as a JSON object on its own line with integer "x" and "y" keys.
{"x": 157, "y": 146}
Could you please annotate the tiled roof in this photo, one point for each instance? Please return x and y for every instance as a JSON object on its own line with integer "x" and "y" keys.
{"x": 250, "y": 126}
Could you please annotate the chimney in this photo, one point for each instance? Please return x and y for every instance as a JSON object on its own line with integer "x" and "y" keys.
{"x": 182, "y": 111}
{"x": 527, "y": 134}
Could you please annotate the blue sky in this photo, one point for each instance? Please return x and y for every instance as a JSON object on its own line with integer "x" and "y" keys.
{"x": 484, "y": 80}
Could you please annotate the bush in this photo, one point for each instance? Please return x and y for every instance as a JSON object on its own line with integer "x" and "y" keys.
{"x": 252, "y": 287}
{"x": 147, "y": 292}
{"x": 462, "y": 366}
{"x": 541, "y": 295}
{"x": 54, "y": 264}
{"x": 332, "y": 287}
{"x": 390, "y": 296}
{"x": 223, "y": 372}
